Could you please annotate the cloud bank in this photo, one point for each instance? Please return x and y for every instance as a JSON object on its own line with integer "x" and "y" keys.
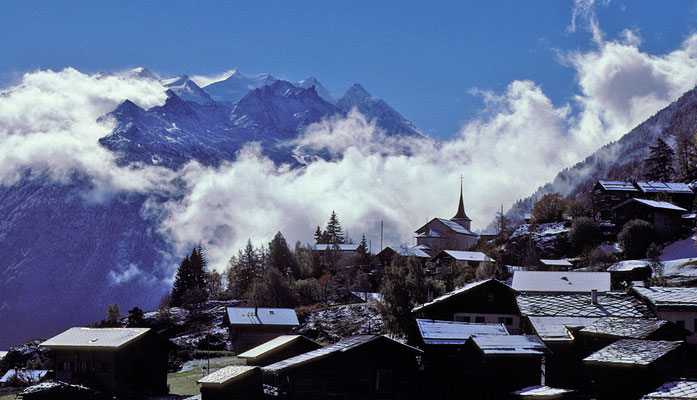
{"x": 520, "y": 140}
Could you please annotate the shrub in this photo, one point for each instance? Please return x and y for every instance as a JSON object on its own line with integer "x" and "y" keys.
{"x": 584, "y": 233}
{"x": 636, "y": 237}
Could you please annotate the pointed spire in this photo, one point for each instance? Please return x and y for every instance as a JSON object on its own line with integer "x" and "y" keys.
{"x": 461, "y": 207}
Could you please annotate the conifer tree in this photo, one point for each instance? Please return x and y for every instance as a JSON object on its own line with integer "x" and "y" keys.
{"x": 181, "y": 283}
{"x": 363, "y": 252}
{"x": 191, "y": 276}
{"x": 281, "y": 258}
{"x": 319, "y": 237}
{"x": 686, "y": 158}
{"x": 244, "y": 269}
{"x": 659, "y": 164}
{"x": 333, "y": 233}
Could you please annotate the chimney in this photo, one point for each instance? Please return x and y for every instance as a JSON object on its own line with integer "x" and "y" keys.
{"x": 594, "y": 296}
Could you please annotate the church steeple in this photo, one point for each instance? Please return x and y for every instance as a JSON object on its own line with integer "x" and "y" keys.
{"x": 461, "y": 218}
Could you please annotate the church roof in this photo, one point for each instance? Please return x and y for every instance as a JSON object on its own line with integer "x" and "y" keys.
{"x": 461, "y": 216}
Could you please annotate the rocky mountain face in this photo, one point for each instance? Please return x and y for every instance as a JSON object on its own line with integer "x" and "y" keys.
{"x": 623, "y": 158}
{"x": 65, "y": 257}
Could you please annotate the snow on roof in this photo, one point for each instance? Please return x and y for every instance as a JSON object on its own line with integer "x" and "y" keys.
{"x": 25, "y": 375}
{"x": 664, "y": 205}
{"x": 450, "y": 332}
{"x": 541, "y": 392}
{"x": 452, "y": 225}
{"x": 667, "y": 187}
{"x": 227, "y": 374}
{"x": 3, "y": 354}
{"x": 509, "y": 344}
{"x": 412, "y": 251}
{"x": 675, "y": 390}
{"x": 632, "y": 328}
{"x": 628, "y": 265}
{"x": 557, "y": 328}
{"x": 616, "y": 304}
{"x": 561, "y": 281}
{"x": 458, "y": 292}
{"x": 689, "y": 216}
{"x": 95, "y": 337}
{"x": 337, "y": 246}
{"x": 262, "y": 316}
{"x": 273, "y": 344}
{"x": 662, "y": 296}
{"x": 460, "y": 255}
{"x": 341, "y": 346}
{"x": 632, "y": 351}
{"x": 556, "y": 263}
{"x": 618, "y": 185}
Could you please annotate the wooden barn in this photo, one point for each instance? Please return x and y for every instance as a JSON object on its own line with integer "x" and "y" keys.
{"x": 488, "y": 301}
{"x": 608, "y": 194}
{"x": 608, "y": 330}
{"x": 280, "y": 348}
{"x": 234, "y": 382}
{"x": 251, "y": 326}
{"x": 361, "y": 367}
{"x": 665, "y": 217}
{"x": 121, "y": 360}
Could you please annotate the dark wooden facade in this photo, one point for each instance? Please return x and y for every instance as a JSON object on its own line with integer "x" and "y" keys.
{"x": 667, "y": 222}
{"x": 608, "y": 194}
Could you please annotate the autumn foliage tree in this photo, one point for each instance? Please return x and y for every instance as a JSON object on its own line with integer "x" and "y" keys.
{"x": 550, "y": 208}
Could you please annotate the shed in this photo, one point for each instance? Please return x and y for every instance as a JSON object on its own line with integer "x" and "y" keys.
{"x": 560, "y": 282}
{"x": 278, "y": 349}
{"x": 359, "y": 367}
{"x": 115, "y": 359}
{"x": 252, "y": 326}
{"x": 232, "y": 383}
{"x": 676, "y": 304}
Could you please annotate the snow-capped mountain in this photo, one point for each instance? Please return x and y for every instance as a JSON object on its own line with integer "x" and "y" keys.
{"x": 237, "y": 86}
{"x": 311, "y": 81}
{"x": 187, "y": 89}
{"x": 376, "y": 109}
{"x": 141, "y": 73}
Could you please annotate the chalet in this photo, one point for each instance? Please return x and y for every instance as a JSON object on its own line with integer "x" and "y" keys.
{"x": 630, "y": 367}
{"x": 252, "y": 326}
{"x": 560, "y": 282}
{"x": 555, "y": 264}
{"x": 454, "y": 234}
{"x": 488, "y": 301}
{"x": 677, "y": 192}
{"x": 608, "y": 330}
{"x": 384, "y": 258}
{"x": 360, "y": 367}
{"x": 518, "y": 358}
{"x": 608, "y": 194}
{"x": 278, "y": 349}
{"x": 665, "y": 217}
{"x": 112, "y": 359}
{"x": 674, "y": 390}
{"x": 544, "y": 393}
{"x": 471, "y": 259}
{"x": 675, "y": 304}
{"x": 234, "y": 382}
{"x": 444, "y": 356}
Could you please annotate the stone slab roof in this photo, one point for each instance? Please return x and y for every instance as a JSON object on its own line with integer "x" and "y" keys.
{"x": 609, "y": 304}
{"x": 560, "y": 281}
{"x": 662, "y": 296}
{"x": 450, "y": 332}
{"x": 674, "y": 390}
{"x": 632, "y": 328}
{"x": 95, "y": 337}
{"x": 632, "y": 352}
{"x": 262, "y": 316}
{"x": 227, "y": 374}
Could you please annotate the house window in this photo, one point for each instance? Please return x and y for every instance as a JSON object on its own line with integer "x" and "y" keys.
{"x": 83, "y": 366}
{"x": 509, "y": 320}
{"x": 479, "y": 320}
{"x": 501, "y": 320}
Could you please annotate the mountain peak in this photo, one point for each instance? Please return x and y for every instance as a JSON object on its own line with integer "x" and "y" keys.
{"x": 186, "y": 89}
{"x": 141, "y": 73}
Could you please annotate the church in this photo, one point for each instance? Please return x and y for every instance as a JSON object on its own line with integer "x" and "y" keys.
{"x": 447, "y": 234}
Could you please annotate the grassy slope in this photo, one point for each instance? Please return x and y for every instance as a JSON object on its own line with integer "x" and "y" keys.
{"x": 184, "y": 383}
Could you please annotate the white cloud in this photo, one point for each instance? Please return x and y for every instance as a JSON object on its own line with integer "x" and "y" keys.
{"x": 205, "y": 80}
{"x": 129, "y": 274}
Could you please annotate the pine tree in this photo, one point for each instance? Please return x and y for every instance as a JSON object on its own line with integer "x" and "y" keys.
{"x": 281, "y": 258}
{"x": 319, "y": 237}
{"x": 363, "y": 252}
{"x": 686, "y": 158}
{"x": 113, "y": 315}
{"x": 244, "y": 269}
{"x": 333, "y": 233}
{"x": 659, "y": 164}
{"x": 181, "y": 283}
{"x": 191, "y": 276}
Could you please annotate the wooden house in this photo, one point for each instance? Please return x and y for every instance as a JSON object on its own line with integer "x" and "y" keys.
{"x": 280, "y": 348}
{"x": 665, "y": 217}
{"x": 629, "y": 368}
{"x": 234, "y": 382}
{"x": 252, "y": 326}
{"x": 112, "y": 359}
{"x": 608, "y": 330}
{"x": 466, "y": 259}
{"x": 488, "y": 301}
{"x": 677, "y": 193}
{"x": 608, "y": 194}
{"x": 361, "y": 367}
{"x": 497, "y": 365}
{"x": 624, "y": 272}
{"x": 549, "y": 264}
{"x": 675, "y": 304}
{"x": 454, "y": 234}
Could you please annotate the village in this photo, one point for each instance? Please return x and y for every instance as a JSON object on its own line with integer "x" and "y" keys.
{"x": 544, "y": 328}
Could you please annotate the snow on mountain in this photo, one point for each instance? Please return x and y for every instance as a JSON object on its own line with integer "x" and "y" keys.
{"x": 321, "y": 91}
{"x": 237, "y": 86}
{"x": 141, "y": 73}
{"x": 187, "y": 89}
{"x": 376, "y": 109}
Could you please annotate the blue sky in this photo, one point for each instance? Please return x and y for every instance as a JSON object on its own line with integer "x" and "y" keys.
{"x": 424, "y": 58}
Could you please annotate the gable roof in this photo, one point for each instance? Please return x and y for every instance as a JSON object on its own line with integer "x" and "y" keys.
{"x": 667, "y": 187}
{"x": 274, "y": 344}
{"x": 339, "y": 347}
{"x": 452, "y": 225}
{"x": 261, "y": 316}
{"x": 509, "y": 344}
{"x": 561, "y": 281}
{"x": 95, "y": 337}
{"x": 632, "y": 352}
{"x": 674, "y": 390}
{"x": 615, "y": 304}
{"x": 618, "y": 185}
{"x": 461, "y": 255}
{"x": 558, "y": 328}
{"x": 668, "y": 297}
{"x": 416, "y": 251}
{"x": 658, "y": 205}
{"x": 555, "y": 262}
{"x": 632, "y": 328}
{"x": 335, "y": 246}
{"x": 450, "y": 332}
{"x": 460, "y": 291}
{"x": 227, "y": 374}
